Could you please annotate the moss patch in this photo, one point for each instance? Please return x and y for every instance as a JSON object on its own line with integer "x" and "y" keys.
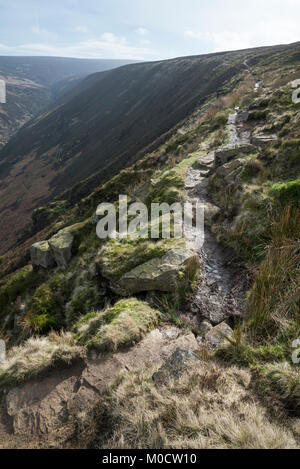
{"x": 119, "y": 326}
{"x": 118, "y": 257}
{"x": 168, "y": 188}
{"x": 287, "y": 193}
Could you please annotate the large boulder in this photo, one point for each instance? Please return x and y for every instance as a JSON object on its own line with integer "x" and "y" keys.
{"x": 61, "y": 246}
{"x": 228, "y": 153}
{"x": 41, "y": 255}
{"x": 159, "y": 274}
{"x": 242, "y": 117}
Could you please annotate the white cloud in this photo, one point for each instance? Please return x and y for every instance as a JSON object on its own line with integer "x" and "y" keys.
{"x": 38, "y": 30}
{"x": 222, "y": 41}
{"x": 142, "y": 31}
{"x": 44, "y": 33}
{"x": 111, "y": 38}
{"x": 108, "y": 46}
{"x": 265, "y": 33}
{"x": 81, "y": 29}
{"x": 145, "y": 42}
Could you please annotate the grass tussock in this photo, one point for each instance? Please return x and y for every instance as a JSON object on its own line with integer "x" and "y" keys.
{"x": 274, "y": 300}
{"x": 283, "y": 380}
{"x": 120, "y": 326}
{"x": 37, "y": 356}
{"x": 182, "y": 413}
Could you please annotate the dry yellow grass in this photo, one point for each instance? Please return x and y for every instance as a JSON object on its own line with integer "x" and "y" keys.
{"x": 37, "y": 355}
{"x": 209, "y": 406}
{"x": 275, "y": 297}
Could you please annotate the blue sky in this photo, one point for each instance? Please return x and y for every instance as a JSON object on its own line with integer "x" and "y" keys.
{"x": 143, "y": 29}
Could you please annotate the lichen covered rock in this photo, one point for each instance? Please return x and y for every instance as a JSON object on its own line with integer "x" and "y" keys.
{"x": 175, "y": 365}
{"x": 217, "y": 336}
{"x": 41, "y": 255}
{"x": 61, "y": 246}
{"x": 159, "y": 274}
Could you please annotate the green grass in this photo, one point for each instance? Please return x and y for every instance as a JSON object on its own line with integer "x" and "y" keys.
{"x": 287, "y": 193}
{"x": 120, "y": 326}
{"x": 19, "y": 283}
{"x": 44, "y": 311}
{"x": 17, "y": 286}
{"x": 168, "y": 188}
{"x": 120, "y": 256}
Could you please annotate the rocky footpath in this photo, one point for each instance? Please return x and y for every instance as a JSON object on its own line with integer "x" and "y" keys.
{"x": 220, "y": 292}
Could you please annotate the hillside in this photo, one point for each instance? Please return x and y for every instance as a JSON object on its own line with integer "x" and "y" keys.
{"x": 33, "y": 82}
{"x": 105, "y": 124}
{"x": 161, "y": 343}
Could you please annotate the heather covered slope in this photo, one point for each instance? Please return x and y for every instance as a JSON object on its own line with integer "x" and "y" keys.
{"x": 96, "y": 132}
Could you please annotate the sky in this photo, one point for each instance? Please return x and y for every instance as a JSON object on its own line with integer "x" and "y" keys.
{"x": 144, "y": 29}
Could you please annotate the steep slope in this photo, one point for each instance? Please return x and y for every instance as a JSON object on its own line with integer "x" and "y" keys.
{"x": 32, "y": 82}
{"x": 105, "y": 123}
{"x": 89, "y": 366}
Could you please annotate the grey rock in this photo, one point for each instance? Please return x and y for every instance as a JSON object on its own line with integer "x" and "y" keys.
{"x": 230, "y": 170}
{"x": 205, "y": 327}
{"x": 262, "y": 139}
{"x": 61, "y": 247}
{"x": 242, "y": 117}
{"x": 158, "y": 274}
{"x": 215, "y": 315}
{"x": 175, "y": 365}
{"x": 171, "y": 333}
{"x": 41, "y": 255}
{"x": 217, "y": 336}
{"x": 225, "y": 154}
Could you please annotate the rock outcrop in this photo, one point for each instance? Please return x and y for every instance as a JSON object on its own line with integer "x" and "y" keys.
{"x": 41, "y": 255}
{"x": 225, "y": 154}
{"x": 61, "y": 246}
{"x": 57, "y": 250}
{"x": 159, "y": 274}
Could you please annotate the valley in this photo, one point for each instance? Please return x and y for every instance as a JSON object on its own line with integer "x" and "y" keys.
{"x": 155, "y": 343}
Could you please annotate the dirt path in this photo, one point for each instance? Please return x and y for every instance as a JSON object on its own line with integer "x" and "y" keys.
{"x": 258, "y": 83}
{"x": 238, "y": 135}
{"x": 220, "y": 291}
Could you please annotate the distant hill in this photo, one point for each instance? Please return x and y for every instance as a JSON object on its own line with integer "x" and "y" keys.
{"x": 33, "y": 82}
